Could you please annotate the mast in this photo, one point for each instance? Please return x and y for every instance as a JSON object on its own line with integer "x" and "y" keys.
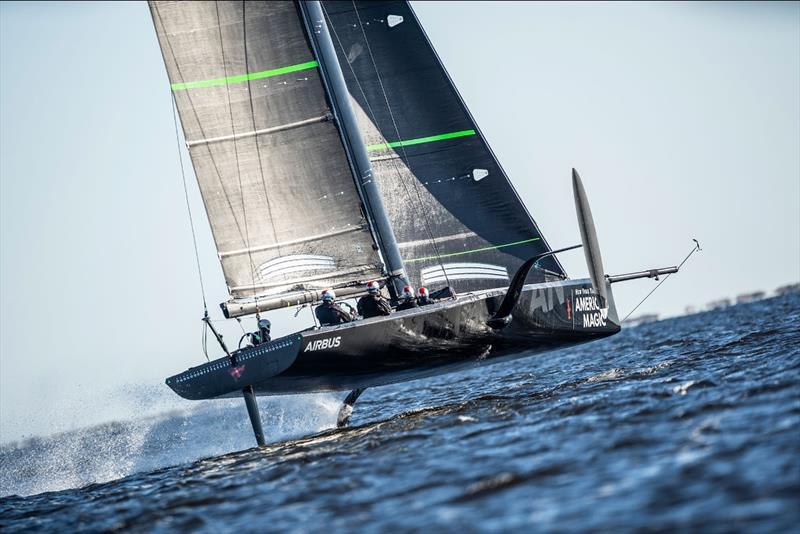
{"x": 459, "y": 222}
{"x": 339, "y": 96}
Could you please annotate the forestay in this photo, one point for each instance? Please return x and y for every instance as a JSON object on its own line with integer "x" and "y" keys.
{"x": 456, "y": 216}
{"x": 274, "y": 176}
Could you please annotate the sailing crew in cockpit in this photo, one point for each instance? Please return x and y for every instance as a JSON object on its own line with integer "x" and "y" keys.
{"x": 329, "y": 313}
{"x": 409, "y": 300}
{"x": 262, "y": 334}
{"x": 373, "y": 304}
{"x": 424, "y": 298}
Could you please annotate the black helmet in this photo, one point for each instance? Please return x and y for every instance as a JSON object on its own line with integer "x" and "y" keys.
{"x": 264, "y": 324}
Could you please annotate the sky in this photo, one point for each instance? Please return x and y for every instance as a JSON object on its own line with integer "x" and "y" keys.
{"x": 682, "y": 118}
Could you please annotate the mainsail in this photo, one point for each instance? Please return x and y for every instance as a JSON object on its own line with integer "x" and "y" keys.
{"x": 275, "y": 179}
{"x": 456, "y": 216}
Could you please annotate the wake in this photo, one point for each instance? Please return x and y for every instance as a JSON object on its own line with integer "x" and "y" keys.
{"x": 114, "y": 450}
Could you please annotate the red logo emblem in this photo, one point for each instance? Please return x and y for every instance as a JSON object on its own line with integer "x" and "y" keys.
{"x": 236, "y": 372}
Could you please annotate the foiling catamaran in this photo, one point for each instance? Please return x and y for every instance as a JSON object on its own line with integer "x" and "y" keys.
{"x": 332, "y": 148}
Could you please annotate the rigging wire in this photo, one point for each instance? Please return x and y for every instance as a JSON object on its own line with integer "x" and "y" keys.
{"x": 236, "y": 151}
{"x": 203, "y": 135}
{"x": 696, "y": 248}
{"x": 239, "y": 320}
{"x": 191, "y": 225}
{"x": 255, "y": 140}
{"x": 188, "y": 205}
{"x": 394, "y": 123}
{"x": 402, "y": 146}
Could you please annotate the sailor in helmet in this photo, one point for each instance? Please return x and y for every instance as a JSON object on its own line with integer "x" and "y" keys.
{"x": 329, "y": 313}
{"x": 373, "y": 304}
{"x": 262, "y": 334}
{"x": 424, "y": 298}
{"x": 409, "y": 299}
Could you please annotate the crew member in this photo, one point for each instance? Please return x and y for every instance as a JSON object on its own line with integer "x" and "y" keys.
{"x": 329, "y": 313}
{"x": 424, "y": 298}
{"x": 262, "y": 334}
{"x": 409, "y": 299}
{"x": 373, "y": 304}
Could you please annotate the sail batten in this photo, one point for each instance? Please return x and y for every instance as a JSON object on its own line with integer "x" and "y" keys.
{"x": 420, "y": 140}
{"x": 274, "y": 129}
{"x": 268, "y": 158}
{"x": 227, "y": 80}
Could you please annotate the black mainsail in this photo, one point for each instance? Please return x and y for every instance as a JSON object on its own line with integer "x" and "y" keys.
{"x": 456, "y": 216}
{"x": 275, "y": 179}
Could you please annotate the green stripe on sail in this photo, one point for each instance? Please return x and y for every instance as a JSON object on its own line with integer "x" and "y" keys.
{"x": 244, "y": 77}
{"x": 473, "y": 251}
{"x": 420, "y": 140}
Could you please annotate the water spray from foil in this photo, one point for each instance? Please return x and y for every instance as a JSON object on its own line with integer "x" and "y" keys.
{"x": 166, "y": 432}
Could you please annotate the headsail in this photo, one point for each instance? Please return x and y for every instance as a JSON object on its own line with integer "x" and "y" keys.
{"x": 275, "y": 179}
{"x": 456, "y": 216}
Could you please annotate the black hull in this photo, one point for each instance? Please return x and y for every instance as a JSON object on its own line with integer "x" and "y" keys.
{"x": 440, "y": 338}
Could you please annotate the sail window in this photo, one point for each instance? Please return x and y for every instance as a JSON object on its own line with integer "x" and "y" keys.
{"x": 296, "y": 263}
{"x": 463, "y": 271}
{"x": 479, "y": 174}
{"x": 394, "y": 20}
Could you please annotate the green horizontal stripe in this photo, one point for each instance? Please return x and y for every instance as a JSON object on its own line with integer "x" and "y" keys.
{"x": 473, "y": 251}
{"x": 420, "y": 140}
{"x": 245, "y": 77}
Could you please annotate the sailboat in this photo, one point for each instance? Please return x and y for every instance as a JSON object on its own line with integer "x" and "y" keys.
{"x": 331, "y": 148}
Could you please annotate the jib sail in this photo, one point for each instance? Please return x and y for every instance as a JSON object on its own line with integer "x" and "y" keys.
{"x": 456, "y": 216}
{"x": 273, "y": 173}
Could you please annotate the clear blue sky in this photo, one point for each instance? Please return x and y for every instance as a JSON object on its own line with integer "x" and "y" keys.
{"x": 683, "y": 119}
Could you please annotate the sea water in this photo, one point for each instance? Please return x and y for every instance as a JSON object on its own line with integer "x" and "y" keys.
{"x": 690, "y": 423}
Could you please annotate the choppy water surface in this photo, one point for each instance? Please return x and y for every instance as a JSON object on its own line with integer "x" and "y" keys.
{"x": 690, "y": 423}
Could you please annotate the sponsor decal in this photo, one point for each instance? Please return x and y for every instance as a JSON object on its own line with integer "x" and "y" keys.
{"x": 236, "y": 372}
{"x": 322, "y": 344}
{"x": 586, "y": 303}
{"x": 569, "y": 310}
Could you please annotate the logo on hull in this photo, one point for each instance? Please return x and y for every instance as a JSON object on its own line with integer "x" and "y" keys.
{"x": 322, "y": 344}
{"x": 236, "y": 372}
{"x": 592, "y": 315}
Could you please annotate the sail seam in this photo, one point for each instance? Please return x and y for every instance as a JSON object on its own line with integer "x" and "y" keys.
{"x": 235, "y": 146}
{"x": 253, "y": 122}
{"x": 228, "y": 80}
{"x": 274, "y": 129}
{"x": 292, "y": 242}
{"x": 421, "y": 140}
{"x": 473, "y": 251}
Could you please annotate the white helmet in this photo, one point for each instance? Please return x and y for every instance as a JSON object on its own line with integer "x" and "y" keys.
{"x": 408, "y": 292}
{"x": 373, "y": 287}
{"x": 328, "y": 295}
